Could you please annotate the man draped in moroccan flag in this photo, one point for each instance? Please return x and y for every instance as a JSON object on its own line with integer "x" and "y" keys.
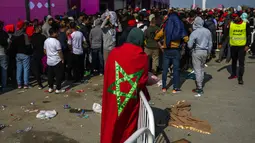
{"x": 126, "y": 73}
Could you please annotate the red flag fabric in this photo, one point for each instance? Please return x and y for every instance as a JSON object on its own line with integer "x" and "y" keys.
{"x": 123, "y": 78}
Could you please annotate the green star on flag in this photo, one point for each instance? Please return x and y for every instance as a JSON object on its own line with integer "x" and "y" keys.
{"x": 118, "y": 80}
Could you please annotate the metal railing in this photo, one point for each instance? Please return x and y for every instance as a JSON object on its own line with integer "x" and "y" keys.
{"x": 146, "y": 126}
{"x": 219, "y": 36}
{"x": 252, "y": 37}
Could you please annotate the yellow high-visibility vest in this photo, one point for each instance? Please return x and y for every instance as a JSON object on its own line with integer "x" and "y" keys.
{"x": 237, "y": 34}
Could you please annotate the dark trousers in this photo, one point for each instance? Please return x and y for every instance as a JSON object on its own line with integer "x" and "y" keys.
{"x": 68, "y": 64}
{"x": 55, "y": 71}
{"x": 238, "y": 53}
{"x": 171, "y": 56}
{"x": 36, "y": 66}
{"x": 98, "y": 60}
{"x": 78, "y": 67}
{"x": 253, "y": 48}
{"x": 186, "y": 60}
{"x": 225, "y": 50}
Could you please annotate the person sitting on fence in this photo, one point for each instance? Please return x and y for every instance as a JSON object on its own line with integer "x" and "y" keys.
{"x": 124, "y": 78}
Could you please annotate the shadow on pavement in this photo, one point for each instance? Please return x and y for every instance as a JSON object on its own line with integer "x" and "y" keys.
{"x": 186, "y": 76}
{"x": 43, "y": 137}
{"x": 161, "y": 122}
{"x": 161, "y": 118}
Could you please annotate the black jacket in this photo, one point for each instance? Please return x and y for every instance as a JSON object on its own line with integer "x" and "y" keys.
{"x": 37, "y": 40}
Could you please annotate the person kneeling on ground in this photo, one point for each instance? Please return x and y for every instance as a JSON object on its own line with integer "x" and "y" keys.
{"x": 201, "y": 42}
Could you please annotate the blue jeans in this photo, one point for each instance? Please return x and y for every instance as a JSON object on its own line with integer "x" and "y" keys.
{"x": 4, "y": 66}
{"x": 171, "y": 56}
{"x": 23, "y": 66}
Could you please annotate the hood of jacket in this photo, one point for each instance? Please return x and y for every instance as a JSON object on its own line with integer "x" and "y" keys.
{"x": 198, "y": 23}
{"x": 97, "y": 22}
{"x": 19, "y": 32}
{"x": 244, "y": 17}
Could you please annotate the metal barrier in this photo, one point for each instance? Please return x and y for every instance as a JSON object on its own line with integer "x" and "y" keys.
{"x": 219, "y": 36}
{"x": 252, "y": 37}
{"x": 146, "y": 126}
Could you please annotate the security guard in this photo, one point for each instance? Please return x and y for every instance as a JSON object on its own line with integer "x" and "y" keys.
{"x": 239, "y": 39}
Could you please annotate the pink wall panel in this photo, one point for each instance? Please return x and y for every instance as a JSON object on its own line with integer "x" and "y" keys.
{"x": 39, "y": 10}
{"x": 12, "y": 10}
{"x": 58, "y": 7}
{"x": 90, "y": 6}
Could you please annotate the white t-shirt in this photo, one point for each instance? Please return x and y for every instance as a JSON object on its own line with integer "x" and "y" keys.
{"x": 52, "y": 47}
{"x": 76, "y": 41}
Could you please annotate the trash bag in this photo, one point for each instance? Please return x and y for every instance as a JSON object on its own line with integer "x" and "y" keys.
{"x": 152, "y": 79}
{"x": 97, "y": 108}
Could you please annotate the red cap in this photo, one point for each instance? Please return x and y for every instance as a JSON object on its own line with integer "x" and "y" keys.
{"x": 225, "y": 14}
{"x": 30, "y": 31}
{"x": 9, "y": 28}
{"x": 210, "y": 13}
{"x": 20, "y": 24}
{"x": 234, "y": 15}
{"x": 131, "y": 23}
{"x": 137, "y": 9}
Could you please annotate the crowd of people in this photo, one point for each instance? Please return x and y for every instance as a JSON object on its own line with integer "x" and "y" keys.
{"x": 123, "y": 46}
{"x": 76, "y": 43}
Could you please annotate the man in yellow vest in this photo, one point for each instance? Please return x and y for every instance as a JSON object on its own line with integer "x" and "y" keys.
{"x": 239, "y": 39}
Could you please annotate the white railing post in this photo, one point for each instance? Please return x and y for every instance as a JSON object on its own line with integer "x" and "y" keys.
{"x": 146, "y": 126}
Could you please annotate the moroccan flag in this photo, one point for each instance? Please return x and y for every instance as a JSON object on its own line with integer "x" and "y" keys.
{"x": 126, "y": 73}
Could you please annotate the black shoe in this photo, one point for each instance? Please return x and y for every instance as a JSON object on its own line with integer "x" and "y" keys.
{"x": 240, "y": 81}
{"x": 218, "y": 61}
{"x": 252, "y": 57}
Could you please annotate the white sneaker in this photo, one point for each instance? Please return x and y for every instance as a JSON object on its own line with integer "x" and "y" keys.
{"x": 50, "y": 90}
{"x": 198, "y": 95}
{"x": 59, "y": 91}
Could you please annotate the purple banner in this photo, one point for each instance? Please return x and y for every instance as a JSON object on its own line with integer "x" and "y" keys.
{"x": 12, "y": 10}
{"x": 90, "y": 6}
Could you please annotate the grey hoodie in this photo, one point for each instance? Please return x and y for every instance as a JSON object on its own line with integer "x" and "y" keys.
{"x": 200, "y": 38}
{"x": 46, "y": 27}
{"x": 96, "y": 35}
{"x": 109, "y": 36}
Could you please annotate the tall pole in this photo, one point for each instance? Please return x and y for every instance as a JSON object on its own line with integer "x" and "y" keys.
{"x": 203, "y": 4}
{"x": 49, "y": 7}
{"x": 27, "y": 7}
{"x": 194, "y": 4}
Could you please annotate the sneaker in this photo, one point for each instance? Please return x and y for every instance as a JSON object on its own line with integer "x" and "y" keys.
{"x": 164, "y": 90}
{"x": 40, "y": 87}
{"x": 240, "y": 81}
{"x": 218, "y": 61}
{"x": 252, "y": 57}
{"x": 59, "y": 91}
{"x": 199, "y": 91}
{"x": 19, "y": 87}
{"x": 232, "y": 77}
{"x": 198, "y": 95}
{"x": 176, "y": 90}
{"x": 50, "y": 90}
{"x": 26, "y": 87}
